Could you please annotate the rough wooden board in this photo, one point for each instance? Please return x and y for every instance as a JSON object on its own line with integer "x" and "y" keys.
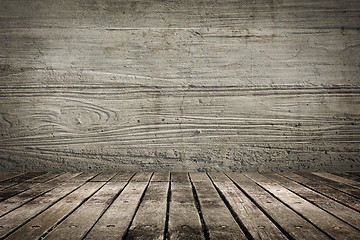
{"x": 179, "y": 85}
{"x": 181, "y": 177}
{"x": 337, "y": 209}
{"x": 334, "y": 184}
{"x": 42, "y": 223}
{"x": 7, "y": 175}
{"x": 218, "y": 219}
{"x": 19, "y": 216}
{"x": 142, "y": 177}
{"x": 113, "y": 225}
{"x": 149, "y": 221}
{"x": 122, "y": 177}
{"x": 296, "y": 226}
{"x": 338, "y": 179}
{"x": 255, "y": 221}
{"x": 79, "y": 222}
{"x": 83, "y": 177}
{"x": 18, "y": 179}
{"x": 161, "y": 177}
{"x": 331, "y": 225}
{"x": 184, "y": 220}
{"x": 21, "y": 187}
{"x": 103, "y": 177}
{"x": 347, "y": 175}
{"x": 16, "y": 201}
{"x": 326, "y": 190}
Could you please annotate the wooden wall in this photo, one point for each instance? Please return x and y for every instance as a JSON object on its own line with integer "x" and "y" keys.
{"x": 174, "y": 85}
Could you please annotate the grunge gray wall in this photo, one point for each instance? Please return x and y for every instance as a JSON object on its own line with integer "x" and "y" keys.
{"x": 177, "y": 85}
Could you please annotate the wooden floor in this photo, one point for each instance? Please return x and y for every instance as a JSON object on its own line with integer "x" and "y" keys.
{"x": 211, "y": 205}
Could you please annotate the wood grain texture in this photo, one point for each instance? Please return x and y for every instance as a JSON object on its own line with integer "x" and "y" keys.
{"x": 107, "y": 85}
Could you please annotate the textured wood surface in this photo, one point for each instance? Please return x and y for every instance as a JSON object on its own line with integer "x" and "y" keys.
{"x": 179, "y": 85}
{"x": 182, "y": 205}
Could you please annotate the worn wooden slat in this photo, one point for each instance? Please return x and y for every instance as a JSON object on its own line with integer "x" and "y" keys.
{"x": 19, "y": 216}
{"x": 347, "y": 175}
{"x": 103, "y": 177}
{"x": 334, "y": 184}
{"x": 79, "y": 222}
{"x": 338, "y": 179}
{"x": 255, "y": 221}
{"x": 149, "y": 221}
{"x": 122, "y": 177}
{"x": 16, "y": 189}
{"x": 18, "y": 179}
{"x": 161, "y": 177}
{"x": 337, "y": 209}
{"x": 7, "y": 175}
{"x": 116, "y": 220}
{"x": 184, "y": 220}
{"x": 295, "y": 226}
{"x": 326, "y": 190}
{"x": 218, "y": 219}
{"x": 16, "y": 201}
{"x": 83, "y": 177}
{"x": 142, "y": 177}
{"x": 42, "y": 223}
{"x": 322, "y": 219}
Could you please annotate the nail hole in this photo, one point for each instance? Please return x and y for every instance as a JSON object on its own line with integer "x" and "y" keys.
{"x": 72, "y": 226}
{"x": 35, "y": 226}
{"x": 110, "y": 225}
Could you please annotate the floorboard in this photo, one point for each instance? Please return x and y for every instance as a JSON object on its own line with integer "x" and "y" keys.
{"x": 180, "y": 205}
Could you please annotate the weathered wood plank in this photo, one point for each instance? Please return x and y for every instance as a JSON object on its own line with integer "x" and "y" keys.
{"x": 338, "y": 179}
{"x": 80, "y": 222}
{"x": 256, "y": 222}
{"x": 149, "y": 221}
{"x": 16, "y": 201}
{"x": 218, "y": 219}
{"x": 334, "y": 184}
{"x": 348, "y": 176}
{"x": 103, "y": 177}
{"x": 122, "y": 177}
{"x": 7, "y": 175}
{"x": 83, "y": 177}
{"x": 333, "y": 193}
{"x": 113, "y": 225}
{"x": 142, "y": 177}
{"x": 292, "y": 223}
{"x": 184, "y": 220}
{"x": 346, "y": 214}
{"x": 42, "y": 223}
{"x": 161, "y": 177}
{"x": 19, "y": 216}
{"x": 331, "y": 225}
{"x": 19, "y": 179}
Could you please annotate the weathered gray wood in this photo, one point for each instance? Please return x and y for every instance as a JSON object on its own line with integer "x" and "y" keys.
{"x": 179, "y": 177}
{"x": 142, "y": 177}
{"x": 338, "y": 179}
{"x": 83, "y": 177}
{"x": 116, "y": 220}
{"x": 18, "y": 179}
{"x": 184, "y": 220}
{"x": 103, "y": 177}
{"x": 7, "y": 175}
{"x": 149, "y": 221}
{"x": 42, "y": 223}
{"x": 296, "y": 226}
{"x": 326, "y": 190}
{"x": 16, "y": 201}
{"x": 337, "y": 209}
{"x": 255, "y": 221}
{"x": 334, "y": 227}
{"x": 348, "y": 176}
{"x": 161, "y": 177}
{"x": 179, "y": 85}
{"x": 122, "y": 177}
{"x": 79, "y": 222}
{"x": 19, "y": 216}
{"x": 334, "y": 184}
{"x": 218, "y": 219}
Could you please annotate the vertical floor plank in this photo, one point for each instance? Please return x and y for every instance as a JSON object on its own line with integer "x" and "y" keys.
{"x": 184, "y": 220}
{"x": 295, "y": 226}
{"x": 149, "y": 221}
{"x": 142, "y": 177}
{"x": 161, "y": 177}
{"x": 42, "y": 223}
{"x": 19, "y": 216}
{"x": 117, "y": 218}
{"x": 122, "y": 177}
{"x": 333, "y": 193}
{"x": 331, "y": 225}
{"x": 17, "y": 200}
{"x": 337, "y": 209}
{"x": 79, "y": 223}
{"x": 103, "y": 177}
{"x": 218, "y": 219}
{"x": 255, "y": 221}
{"x": 339, "y": 179}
